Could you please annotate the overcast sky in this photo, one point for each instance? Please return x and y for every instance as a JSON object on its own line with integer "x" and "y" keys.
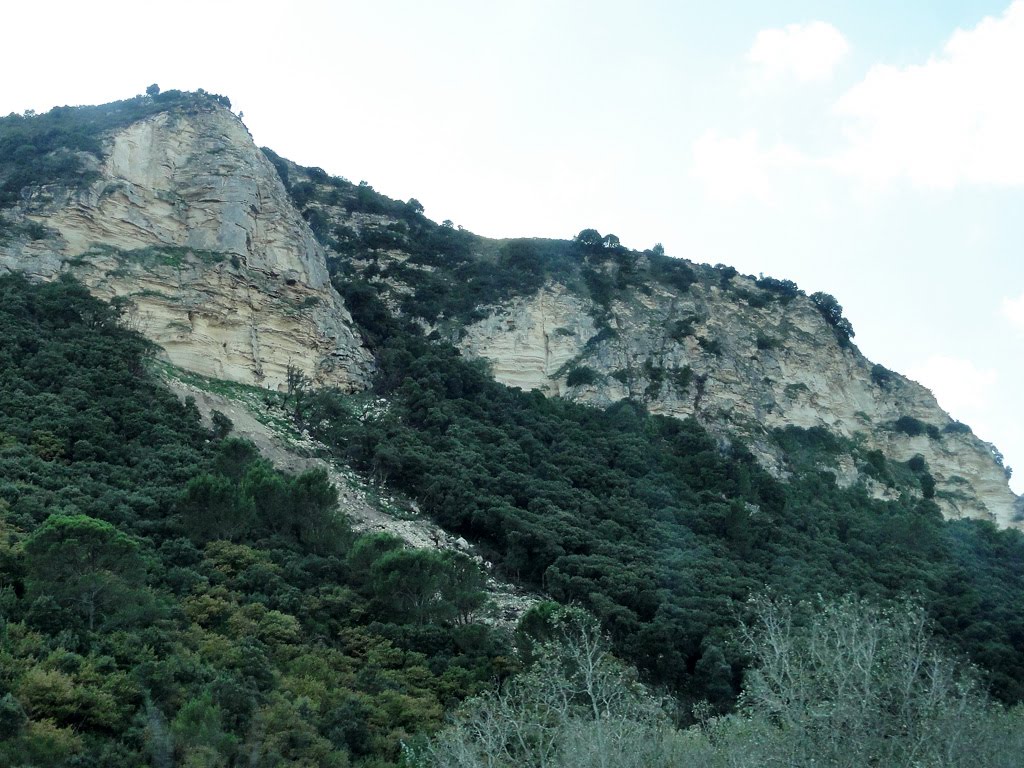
{"x": 872, "y": 150}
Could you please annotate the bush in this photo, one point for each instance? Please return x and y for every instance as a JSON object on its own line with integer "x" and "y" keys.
{"x": 784, "y": 290}
{"x": 832, "y": 311}
{"x": 681, "y": 377}
{"x": 957, "y": 428}
{"x": 582, "y": 376}
{"x": 881, "y": 376}
{"x": 711, "y": 346}
{"x": 910, "y": 426}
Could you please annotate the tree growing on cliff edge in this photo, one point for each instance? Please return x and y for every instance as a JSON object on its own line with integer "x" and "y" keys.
{"x": 832, "y": 311}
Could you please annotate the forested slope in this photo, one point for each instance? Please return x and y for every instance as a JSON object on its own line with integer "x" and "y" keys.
{"x": 166, "y": 596}
{"x": 655, "y": 527}
{"x": 169, "y": 598}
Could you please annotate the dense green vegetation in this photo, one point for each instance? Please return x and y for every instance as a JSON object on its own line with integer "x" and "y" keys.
{"x": 655, "y": 527}
{"x": 166, "y": 597}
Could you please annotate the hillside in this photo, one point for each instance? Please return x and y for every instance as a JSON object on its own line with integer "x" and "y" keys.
{"x": 594, "y": 322}
{"x": 646, "y": 438}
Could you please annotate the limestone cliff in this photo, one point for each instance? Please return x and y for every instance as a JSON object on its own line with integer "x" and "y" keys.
{"x": 181, "y": 215}
{"x": 742, "y": 365}
{"x": 188, "y": 220}
{"x": 745, "y": 357}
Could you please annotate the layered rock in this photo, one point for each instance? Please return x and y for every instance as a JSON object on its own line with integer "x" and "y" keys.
{"x": 190, "y": 222}
{"x": 742, "y": 364}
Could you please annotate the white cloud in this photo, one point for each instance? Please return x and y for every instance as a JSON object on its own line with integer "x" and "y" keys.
{"x": 961, "y": 388}
{"x": 958, "y": 118}
{"x": 804, "y": 51}
{"x": 736, "y": 168}
{"x": 1013, "y": 310}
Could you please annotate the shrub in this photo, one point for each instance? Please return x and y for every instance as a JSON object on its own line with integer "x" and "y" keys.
{"x": 681, "y": 377}
{"x": 832, "y": 311}
{"x": 957, "y": 428}
{"x": 784, "y": 290}
{"x": 910, "y": 426}
{"x": 582, "y": 376}
{"x": 711, "y": 346}
{"x": 881, "y": 376}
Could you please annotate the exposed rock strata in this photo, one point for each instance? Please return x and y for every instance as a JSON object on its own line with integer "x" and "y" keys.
{"x": 191, "y": 223}
{"x": 740, "y": 369}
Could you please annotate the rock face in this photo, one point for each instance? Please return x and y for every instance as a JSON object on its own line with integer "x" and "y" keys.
{"x": 190, "y": 222}
{"x": 742, "y": 365}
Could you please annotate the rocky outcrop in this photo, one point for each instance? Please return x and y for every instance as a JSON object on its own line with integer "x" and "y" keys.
{"x": 190, "y": 222}
{"x": 743, "y": 363}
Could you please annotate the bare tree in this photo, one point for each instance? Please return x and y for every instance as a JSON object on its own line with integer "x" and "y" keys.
{"x": 576, "y": 706}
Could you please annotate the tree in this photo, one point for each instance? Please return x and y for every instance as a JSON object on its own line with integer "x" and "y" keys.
{"x": 576, "y": 706}
{"x": 213, "y": 508}
{"x": 199, "y": 734}
{"x": 850, "y": 684}
{"x": 297, "y": 386}
{"x": 590, "y": 238}
{"x": 832, "y": 311}
{"x": 411, "y": 583}
{"x": 86, "y": 564}
{"x": 153, "y": 90}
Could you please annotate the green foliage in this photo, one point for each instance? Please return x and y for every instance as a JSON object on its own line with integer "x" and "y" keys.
{"x": 582, "y": 376}
{"x": 675, "y": 273}
{"x": 455, "y": 274}
{"x": 956, "y": 428}
{"x": 725, "y": 274}
{"x": 655, "y": 375}
{"x": 169, "y": 598}
{"x": 832, "y": 311}
{"x": 576, "y": 706}
{"x": 647, "y": 521}
{"x": 680, "y": 329}
{"x": 783, "y": 290}
{"x": 681, "y": 378}
{"x": 881, "y": 375}
{"x": 711, "y": 346}
{"x": 85, "y": 565}
{"x": 910, "y": 426}
{"x": 849, "y": 684}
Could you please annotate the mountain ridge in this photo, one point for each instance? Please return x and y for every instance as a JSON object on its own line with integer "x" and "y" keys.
{"x": 183, "y": 217}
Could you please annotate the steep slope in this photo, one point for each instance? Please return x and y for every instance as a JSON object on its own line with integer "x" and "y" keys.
{"x": 180, "y": 214}
{"x": 594, "y": 322}
{"x": 173, "y": 209}
{"x": 743, "y": 364}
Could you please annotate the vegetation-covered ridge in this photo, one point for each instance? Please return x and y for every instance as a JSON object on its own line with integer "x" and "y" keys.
{"x": 446, "y": 275}
{"x": 166, "y": 597}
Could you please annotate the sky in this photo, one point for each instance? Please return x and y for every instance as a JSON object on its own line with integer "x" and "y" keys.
{"x": 868, "y": 149}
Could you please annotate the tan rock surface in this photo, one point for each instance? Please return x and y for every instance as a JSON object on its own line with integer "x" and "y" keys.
{"x": 777, "y": 365}
{"x": 190, "y": 221}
